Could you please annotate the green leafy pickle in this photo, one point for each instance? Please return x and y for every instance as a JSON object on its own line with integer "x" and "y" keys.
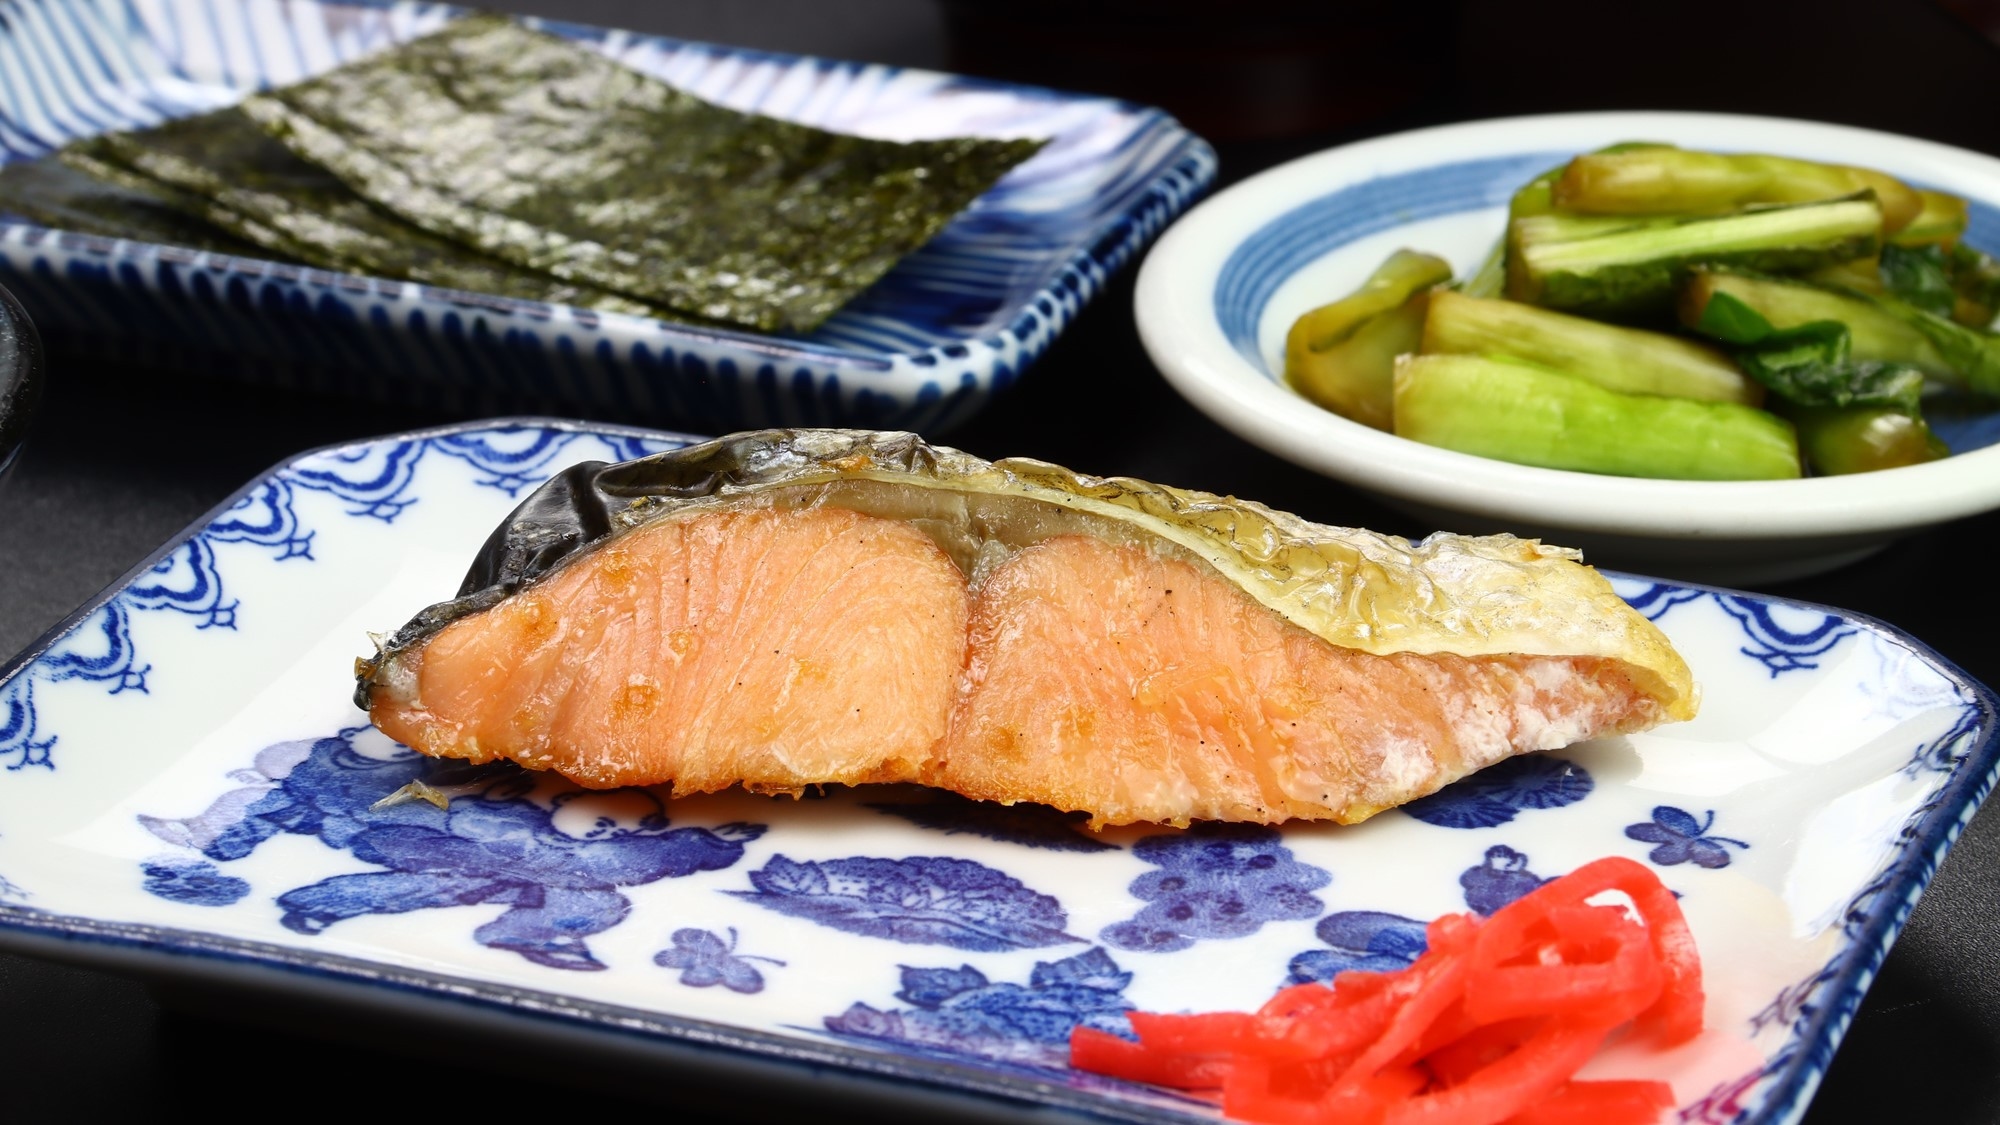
{"x": 1727, "y": 318}
{"x": 1974, "y": 355}
{"x": 1811, "y": 364}
{"x": 1975, "y": 277}
{"x": 1919, "y": 275}
{"x": 552, "y": 156}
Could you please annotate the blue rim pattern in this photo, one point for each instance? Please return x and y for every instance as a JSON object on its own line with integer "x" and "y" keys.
{"x": 922, "y": 349}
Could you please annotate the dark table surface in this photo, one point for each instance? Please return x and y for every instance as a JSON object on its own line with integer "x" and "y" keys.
{"x": 122, "y": 458}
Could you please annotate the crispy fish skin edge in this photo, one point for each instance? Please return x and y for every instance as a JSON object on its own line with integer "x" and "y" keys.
{"x": 1381, "y": 594}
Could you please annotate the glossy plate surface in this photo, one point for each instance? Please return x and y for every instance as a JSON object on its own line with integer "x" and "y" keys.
{"x": 1219, "y": 291}
{"x": 189, "y": 792}
{"x": 921, "y": 349}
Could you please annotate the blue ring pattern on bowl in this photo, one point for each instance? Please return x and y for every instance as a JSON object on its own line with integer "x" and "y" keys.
{"x": 922, "y": 349}
{"x": 1263, "y": 262}
{"x": 1280, "y": 248}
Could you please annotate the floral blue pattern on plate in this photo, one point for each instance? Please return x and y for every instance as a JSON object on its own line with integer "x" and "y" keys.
{"x": 922, "y": 349}
{"x": 186, "y": 775}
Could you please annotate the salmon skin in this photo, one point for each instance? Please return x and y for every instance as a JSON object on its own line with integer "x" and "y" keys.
{"x": 786, "y": 608}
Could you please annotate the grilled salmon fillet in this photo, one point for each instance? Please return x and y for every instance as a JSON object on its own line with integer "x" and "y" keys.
{"x": 768, "y": 649}
{"x": 1011, "y": 649}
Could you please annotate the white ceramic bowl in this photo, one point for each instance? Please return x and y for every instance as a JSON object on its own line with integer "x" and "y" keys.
{"x": 1219, "y": 290}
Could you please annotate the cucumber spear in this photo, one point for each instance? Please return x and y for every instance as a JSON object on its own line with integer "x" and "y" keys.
{"x": 1536, "y": 197}
{"x": 1514, "y": 411}
{"x": 1594, "y": 265}
{"x": 1620, "y": 359}
{"x": 1341, "y": 355}
{"x": 1674, "y": 181}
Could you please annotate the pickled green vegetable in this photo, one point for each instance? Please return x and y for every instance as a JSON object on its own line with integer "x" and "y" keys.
{"x": 1595, "y": 266}
{"x": 1813, "y": 365}
{"x": 1514, "y": 411}
{"x": 1882, "y": 328}
{"x": 1942, "y": 219}
{"x": 1536, "y": 197}
{"x": 1490, "y": 280}
{"x": 1619, "y": 359}
{"x": 1862, "y": 439}
{"x": 1531, "y": 198}
{"x": 1875, "y": 334}
{"x": 1403, "y": 273}
{"x": 1976, "y": 278}
{"x": 1355, "y": 378}
{"x": 1919, "y": 276}
{"x": 1841, "y": 298}
{"x": 1675, "y": 181}
{"x": 550, "y": 155}
{"x": 1972, "y": 355}
{"x": 1861, "y": 275}
{"x": 1342, "y": 355}
{"x": 1812, "y": 373}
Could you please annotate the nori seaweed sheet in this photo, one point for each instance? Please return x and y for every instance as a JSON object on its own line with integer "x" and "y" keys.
{"x": 233, "y": 174}
{"x": 93, "y": 157}
{"x": 554, "y": 157}
{"x": 49, "y": 192}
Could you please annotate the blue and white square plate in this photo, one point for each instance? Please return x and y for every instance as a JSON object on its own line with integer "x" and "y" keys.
{"x": 922, "y": 349}
{"x": 190, "y": 793}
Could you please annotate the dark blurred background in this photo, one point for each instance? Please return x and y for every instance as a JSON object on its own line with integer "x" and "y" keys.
{"x": 1266, "y": 80}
